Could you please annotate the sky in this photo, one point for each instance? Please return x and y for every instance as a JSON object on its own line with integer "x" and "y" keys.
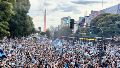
{"x": 56, "y": 9}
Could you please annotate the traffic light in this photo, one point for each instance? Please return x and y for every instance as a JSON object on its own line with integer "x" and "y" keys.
{"x": 71, "y": 23}
{"x": 105, "y": 48}
{"x": 39, "y": 29}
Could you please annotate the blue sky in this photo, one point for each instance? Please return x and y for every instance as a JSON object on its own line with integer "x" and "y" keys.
{"x": 56, "y": 9}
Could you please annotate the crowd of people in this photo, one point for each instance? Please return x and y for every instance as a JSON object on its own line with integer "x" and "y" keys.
{"x": 40, "y": 52}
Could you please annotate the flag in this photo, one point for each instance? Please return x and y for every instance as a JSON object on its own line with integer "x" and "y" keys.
{"x": 2, "y": 55}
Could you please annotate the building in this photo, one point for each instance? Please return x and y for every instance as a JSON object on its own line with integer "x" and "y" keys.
{"x": 81, "y": 21}
{"x": 94, "y": 14}
{"x": 113, "y": 10}
{"x": 65, "y": 21}
{"x": 91, "y": 16}
{"x": 87, "y": 21}
{"x": 76, "y": 25}
{"x": 81, "y": 18}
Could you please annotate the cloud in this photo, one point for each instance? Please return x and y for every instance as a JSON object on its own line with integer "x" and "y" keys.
{"x": 47, "y": 4}
{"x": 56, "y": 9}
{"x": 65, "y": 8}
{"x": 85, "y": 2}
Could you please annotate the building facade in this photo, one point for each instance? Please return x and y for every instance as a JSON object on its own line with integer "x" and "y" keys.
{"x": 92, "y": 16}
{"x": 113, "y": 10}
{"x": 65, "y": 21}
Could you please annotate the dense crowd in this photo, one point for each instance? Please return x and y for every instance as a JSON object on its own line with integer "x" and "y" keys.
{"x": 41, "y": 52}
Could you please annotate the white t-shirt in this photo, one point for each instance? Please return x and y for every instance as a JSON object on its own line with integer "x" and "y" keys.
{"x": 118, "y": 63}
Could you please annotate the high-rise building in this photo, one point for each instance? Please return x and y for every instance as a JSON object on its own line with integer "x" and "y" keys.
{"x": 91, "y": 16}
{"x": 113, "y": 10}
{"x": 85, "y": 21}
{"x": 81, "y": 21}
{"x": 76, "y": 25}
{"x": 94, "y": 14}
{"x": 65, "y": 21}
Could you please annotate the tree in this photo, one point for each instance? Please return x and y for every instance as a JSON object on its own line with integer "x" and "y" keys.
{"x": 94, "y": 21}
{"x": 48, "y": 34}
{"x": 108, "y": 24}
{"x": 52, "y": 31}
{"x": 63, "y": 31}
{"x": 21, "y": 24}
{"x": 6, "y": 11}
{"x": 42, "y": 33}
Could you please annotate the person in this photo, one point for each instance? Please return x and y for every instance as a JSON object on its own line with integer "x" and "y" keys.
{"x": 46, "y": 64}
{"x": 118, "y": 63}
{"x": 65, "y": 65}
{"x": 113, "y": 64}
{"x": 1, "y": 64}
{"x": 76, "y": 65}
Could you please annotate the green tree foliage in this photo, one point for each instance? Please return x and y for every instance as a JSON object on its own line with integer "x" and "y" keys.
{"x": 83, "y": 31}
{"x": 23, "y": 5}
{"x": 43, "y": 33}
{"x": 63, "y": 31}
{"x": 21, "y": 24}
{"x": 48, "y": 33}
{"x": 109, "y": 24}
{"x": 6, "y": 11}
{"x": 94, "y": 21}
